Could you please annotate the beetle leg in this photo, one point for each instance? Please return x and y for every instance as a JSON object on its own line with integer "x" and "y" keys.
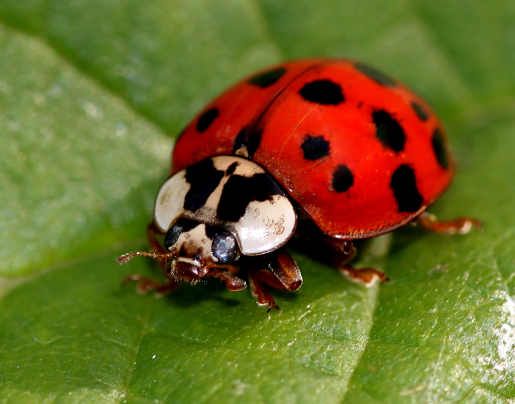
{"x": 367, "y": 276}
{"x": 233, "y": 282}
{"x": 282, "y": 273}
{"x": 256, "y": 278}
{"x": 146, "y": 285}
{"x": 461, "y": 225}
{"x": 162, "y": 257}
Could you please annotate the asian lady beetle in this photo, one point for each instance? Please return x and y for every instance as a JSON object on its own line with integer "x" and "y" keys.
{"x": 329, "y": 150}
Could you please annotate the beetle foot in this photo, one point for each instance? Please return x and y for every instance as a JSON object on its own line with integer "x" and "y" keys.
{"x": 366, "y": 276}
{"x": 461, "y": 225}
{"x": 263, "y": 296}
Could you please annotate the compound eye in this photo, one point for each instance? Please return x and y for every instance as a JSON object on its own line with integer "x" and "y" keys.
{"x": 224, "y": 247}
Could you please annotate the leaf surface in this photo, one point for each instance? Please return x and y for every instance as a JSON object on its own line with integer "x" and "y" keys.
{"x": 92, "y": 94}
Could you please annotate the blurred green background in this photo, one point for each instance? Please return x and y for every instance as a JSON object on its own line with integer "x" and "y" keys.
{"x": 92, "y": 94}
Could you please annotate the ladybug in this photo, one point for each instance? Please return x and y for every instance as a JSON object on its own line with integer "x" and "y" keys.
{"x": 328, "y": 150}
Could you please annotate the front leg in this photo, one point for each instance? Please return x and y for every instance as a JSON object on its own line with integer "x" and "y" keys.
{"x": 226, "y": 274}
{"x": 146, "y": 285}
{"x": 282, "y": 273}
{"x": 162, "y": 256}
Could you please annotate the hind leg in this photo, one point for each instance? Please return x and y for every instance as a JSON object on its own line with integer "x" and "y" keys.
{"x": 461, "y": 225}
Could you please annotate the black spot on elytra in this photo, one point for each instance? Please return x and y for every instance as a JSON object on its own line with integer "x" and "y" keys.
{"x": 240, "y": 140}
{"x": 180, "y": 226}
{"x": 420, "y": 111}
{"x": 203, "y": 178}
{"x": 439, "y": 148}
{"x": 206, "y": 119}
{"x": 315, "y": 147}
{"x": 250, "y": 140}
{"x": 342, "y": 178}
{"x": 239, "y": 191}
{"x": 323, "y": 91}
{"x": 267, "y": 78}
{"x": 375, "y": 75}
{"x": 230, "y": 170}
{"x": 253, "y": 142}
{"x": 388, "y": 130}
{"x": 404, "y": 186}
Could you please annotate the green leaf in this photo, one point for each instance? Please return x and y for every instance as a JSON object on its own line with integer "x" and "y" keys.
{"x": 91, "y": 339}
{"x": 91, "y": 94}
{"x": 74, "y": 153}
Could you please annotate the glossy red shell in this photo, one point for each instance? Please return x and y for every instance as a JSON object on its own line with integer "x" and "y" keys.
{"x": 284, "y": 119}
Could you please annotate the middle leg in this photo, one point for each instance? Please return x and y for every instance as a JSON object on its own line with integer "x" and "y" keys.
{"x": 342, "y": 257}
{"x": 335, "y": 252}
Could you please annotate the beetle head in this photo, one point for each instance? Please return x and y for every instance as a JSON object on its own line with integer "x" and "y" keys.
{"x": 198, "y": 248}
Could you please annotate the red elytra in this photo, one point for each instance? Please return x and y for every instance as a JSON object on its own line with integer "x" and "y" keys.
{"x": 360, "y": 161}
